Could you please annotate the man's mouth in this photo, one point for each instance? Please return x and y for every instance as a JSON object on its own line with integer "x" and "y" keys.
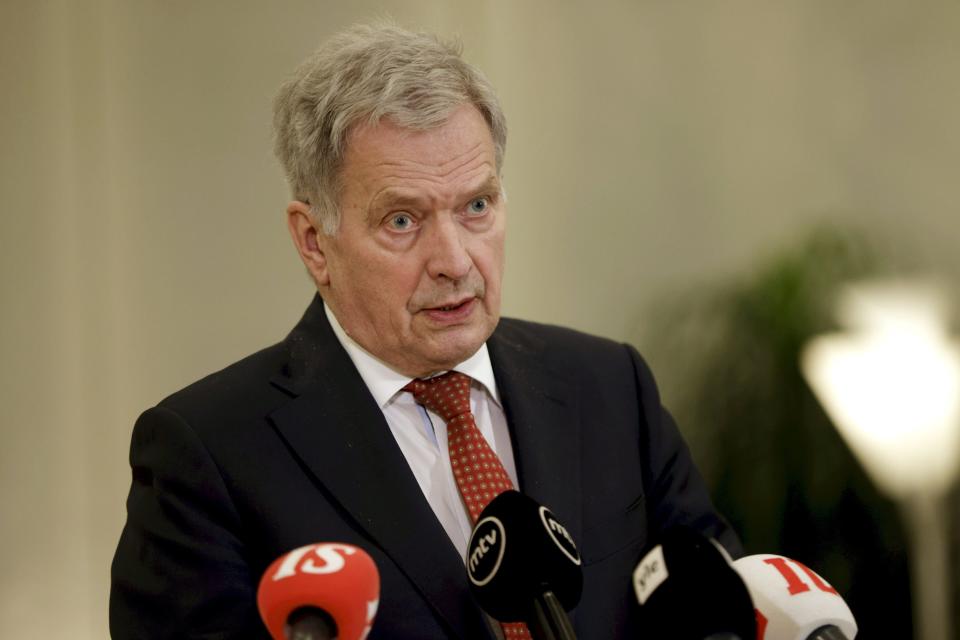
{"x": 452, "y": 311}
{"x": 451, "y": 307}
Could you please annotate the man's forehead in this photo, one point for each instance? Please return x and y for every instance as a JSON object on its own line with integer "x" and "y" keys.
{"x": 401, "y": 191}
{"x": 463, "y": 129}
{"x": 459, "y": 152}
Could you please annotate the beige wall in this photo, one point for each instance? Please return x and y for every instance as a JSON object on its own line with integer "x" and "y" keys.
{"x": 652, "y": 144}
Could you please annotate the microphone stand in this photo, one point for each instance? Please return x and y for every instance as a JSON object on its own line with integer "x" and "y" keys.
{"x": 310, "y": 623}
{"x": 827, "y": 632}
{"x": 549, "y": 620}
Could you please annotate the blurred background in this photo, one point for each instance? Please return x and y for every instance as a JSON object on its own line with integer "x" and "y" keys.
{"x": 694, "y": 177}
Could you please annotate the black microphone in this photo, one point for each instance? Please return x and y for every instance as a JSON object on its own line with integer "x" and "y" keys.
{"x": 523, "y": 566}
{"x": 687, "y": 590}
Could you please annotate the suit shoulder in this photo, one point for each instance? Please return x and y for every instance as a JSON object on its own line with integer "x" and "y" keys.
{"x": 236, "y": 385}
{"x": 575, "y": 353}
{"x": 599, "y": 366}
{"x": 554, "y": 337}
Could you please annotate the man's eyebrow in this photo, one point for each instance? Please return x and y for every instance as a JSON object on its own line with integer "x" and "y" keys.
{"x": 390, "y": 198}
{"x": 395, "y": 196}
{"x": 491, "y": 185}
{"x": 399, "y": 196}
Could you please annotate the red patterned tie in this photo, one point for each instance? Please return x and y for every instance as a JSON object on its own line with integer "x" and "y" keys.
{"x": 477, "y": 470}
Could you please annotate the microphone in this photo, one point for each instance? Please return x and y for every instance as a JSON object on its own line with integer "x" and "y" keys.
{"x": 320, "y": 592}
{"x": 687, "y": 590}
{"x": 792, "y": 602}
{"x": 523, "y": 565}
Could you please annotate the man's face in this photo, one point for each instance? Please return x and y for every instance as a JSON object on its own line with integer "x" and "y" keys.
{"x": 413, "y": 273}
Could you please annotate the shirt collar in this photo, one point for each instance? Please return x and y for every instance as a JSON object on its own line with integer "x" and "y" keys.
{"x": 384, "y": 382}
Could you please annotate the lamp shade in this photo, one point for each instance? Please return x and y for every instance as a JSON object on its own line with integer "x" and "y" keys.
{"x": 891, "y": 385}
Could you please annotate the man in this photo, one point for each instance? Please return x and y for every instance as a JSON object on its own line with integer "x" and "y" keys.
{"x": 393, "y": 147}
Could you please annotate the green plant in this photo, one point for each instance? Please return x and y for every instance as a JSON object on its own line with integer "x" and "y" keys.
{"x": 728, "y": 359}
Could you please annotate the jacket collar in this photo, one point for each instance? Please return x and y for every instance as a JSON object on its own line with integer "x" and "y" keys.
{"x": 543, "y": 412}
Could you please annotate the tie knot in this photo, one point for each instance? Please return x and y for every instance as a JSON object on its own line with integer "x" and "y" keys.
{"x": 447, "y": 395}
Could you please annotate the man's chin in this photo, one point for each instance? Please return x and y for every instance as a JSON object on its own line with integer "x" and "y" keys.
{"x": 448, "y": 359}
{"x": 449, "y": 354}
{"x": 430, "y": 349}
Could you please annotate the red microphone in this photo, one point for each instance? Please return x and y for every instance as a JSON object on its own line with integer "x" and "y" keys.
{"x": 792, "y": 602}
{"x": 320, "y": 592}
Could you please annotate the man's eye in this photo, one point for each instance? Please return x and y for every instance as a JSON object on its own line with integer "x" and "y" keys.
{"x": 401, "y": 222}
{"x": 478, "y": 205}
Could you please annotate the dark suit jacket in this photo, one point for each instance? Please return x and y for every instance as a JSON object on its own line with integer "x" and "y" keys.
{"x": 287, "y": 447}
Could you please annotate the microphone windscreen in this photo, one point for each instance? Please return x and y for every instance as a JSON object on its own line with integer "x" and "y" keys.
{"x": 519, "y": 551}
{"x": 792, "y": 601}
{"x": 687, "y": 589}
{"x": 340, "y": 579}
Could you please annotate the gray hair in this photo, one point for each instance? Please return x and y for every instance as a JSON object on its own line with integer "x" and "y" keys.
{"x": 365, "y": 73}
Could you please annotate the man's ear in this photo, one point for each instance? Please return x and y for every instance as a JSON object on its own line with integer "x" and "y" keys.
{"x": 309, "y": 240}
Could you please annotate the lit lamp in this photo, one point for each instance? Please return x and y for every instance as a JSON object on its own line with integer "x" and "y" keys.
{"x": 891, "y": 385}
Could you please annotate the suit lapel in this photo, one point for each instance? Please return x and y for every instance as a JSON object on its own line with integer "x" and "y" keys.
{"x": 337, "y": 430}
{"x": 543, "y": 413}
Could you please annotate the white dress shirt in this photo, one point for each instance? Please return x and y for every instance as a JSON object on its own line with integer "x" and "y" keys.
{"x": 422, "y": 434}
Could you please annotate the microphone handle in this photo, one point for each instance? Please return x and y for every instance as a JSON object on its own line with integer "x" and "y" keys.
{"x": 827, "y": 632}
{"x": 550, "y": 621}
{"x": 310, "y": 623}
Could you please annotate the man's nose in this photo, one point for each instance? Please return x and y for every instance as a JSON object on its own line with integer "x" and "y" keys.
{"x": 448, "y": 256}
